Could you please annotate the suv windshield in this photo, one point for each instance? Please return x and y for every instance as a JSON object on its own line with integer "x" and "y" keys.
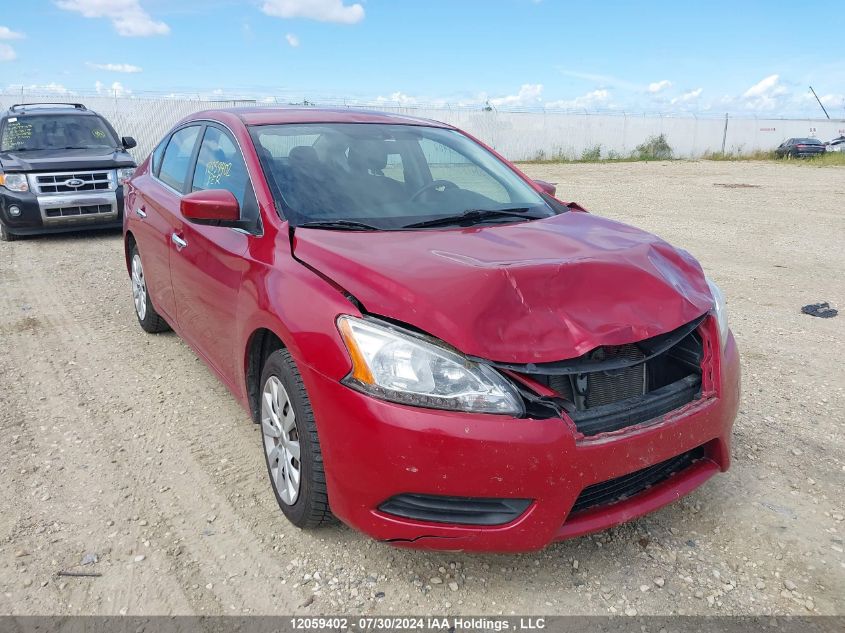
{"x": 360, "y": 176}
{"x": 56, "y": 131}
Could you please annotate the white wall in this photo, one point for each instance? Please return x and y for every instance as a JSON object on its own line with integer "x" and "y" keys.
{"x": 517, "y": 135}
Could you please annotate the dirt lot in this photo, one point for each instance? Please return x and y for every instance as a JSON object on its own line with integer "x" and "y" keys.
{"x": 122, "y": 448}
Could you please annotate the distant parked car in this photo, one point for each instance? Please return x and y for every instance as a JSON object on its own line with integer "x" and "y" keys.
{"x": 800, "y": 148}
{"x": 62, "y": 168}
{"x": 836, "y": 145}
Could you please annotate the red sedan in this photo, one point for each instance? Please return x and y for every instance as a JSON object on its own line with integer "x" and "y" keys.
{"x": 438, "y": 352}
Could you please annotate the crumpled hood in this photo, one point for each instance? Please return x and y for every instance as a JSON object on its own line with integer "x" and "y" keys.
{"x": 533, "y": 292}
{"x": 65, "y": 159}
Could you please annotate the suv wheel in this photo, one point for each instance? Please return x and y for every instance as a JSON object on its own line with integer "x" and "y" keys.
{"x": 291, "y": 447}
{"x": 5, "y": 236}
{"x": 147, "y": 316}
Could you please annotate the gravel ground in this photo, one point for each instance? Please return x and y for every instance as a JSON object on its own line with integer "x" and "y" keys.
{"x": 123, "y": 455}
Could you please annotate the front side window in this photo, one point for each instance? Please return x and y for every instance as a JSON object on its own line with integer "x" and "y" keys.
{"x": 177, "y": 157}
{"x": 390, "y": 176}
{"x": 220, "y": 165}
{"x": 56, "y": 131}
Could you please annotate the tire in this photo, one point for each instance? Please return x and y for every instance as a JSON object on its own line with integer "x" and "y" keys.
{"x": 287, "y": 426}
{"x": 148, "y": 318}
{"x": 5, "y": 236}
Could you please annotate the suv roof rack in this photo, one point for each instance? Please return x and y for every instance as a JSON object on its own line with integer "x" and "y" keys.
{"x": 22, "y": 106}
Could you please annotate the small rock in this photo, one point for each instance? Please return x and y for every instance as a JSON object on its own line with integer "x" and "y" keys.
{"x": 630, "y": 611}
{"x": 453, "y": 586}
{"x": 760, "y": 585}
{"x": 659, "y": 581}
{"x": 27, "y": 582}
{"x": 308, "y": 601}
{"x": 379, "y": 595}
{"x": 89, "y": 559}
{"x": 143, "y": 523}
{"x": 797, "y": 452}
{"x": 791, "y": 586}
{"x": 436, "y": 580}
{"x": 644, "y": 588}
{"x": 139, "y": 558}
{"x": 21, "y": 553}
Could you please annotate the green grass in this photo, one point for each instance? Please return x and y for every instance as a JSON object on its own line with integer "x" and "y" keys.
{"x": 831, "y": 159}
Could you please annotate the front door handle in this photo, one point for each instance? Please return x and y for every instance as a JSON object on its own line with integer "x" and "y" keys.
{"x": 178, "y": 241}
{"x": 139, "y": 211}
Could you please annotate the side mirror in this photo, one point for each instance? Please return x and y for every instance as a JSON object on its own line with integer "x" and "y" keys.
{"x": 128, "y": 142}
{"x": 214, "y": 206}
{"x": 547, "y": 187}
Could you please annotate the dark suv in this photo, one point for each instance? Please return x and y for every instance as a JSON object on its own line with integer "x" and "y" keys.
{"x": 62, "y": 168}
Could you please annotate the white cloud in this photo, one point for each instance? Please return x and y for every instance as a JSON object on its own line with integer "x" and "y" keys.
{"x": 117, "y": 89}
{"x": 657, "y": 86}
{"x": 127, "y": 16}
{"x": 320, "y": 10}
{"x": 8, "y": 34}
{"x": 51, "y": 88}
{"x": 593, "y": 99}
{"x": 399, "y": 98}
{"x": 116, "y": 68}
{"x": 7, "y": 53}
{"x": 529, "y": 94}
{"x": 690, "y": 95}
{"x": 292, "y": 39}
{"x": 766, "y": 94}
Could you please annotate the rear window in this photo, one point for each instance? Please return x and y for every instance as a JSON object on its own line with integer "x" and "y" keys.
{"x": 55, "y": 131}
{"x": 807, "y": 141}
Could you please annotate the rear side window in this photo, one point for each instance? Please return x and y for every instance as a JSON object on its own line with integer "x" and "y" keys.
{"x": 177, "y": 157}
{"x": 158, "y": 152}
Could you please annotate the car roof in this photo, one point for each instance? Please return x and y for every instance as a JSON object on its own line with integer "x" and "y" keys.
{"x": 305, "y": 115}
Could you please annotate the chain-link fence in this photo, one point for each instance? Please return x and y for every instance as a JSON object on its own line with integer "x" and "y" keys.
{"x": 517, "y": 135}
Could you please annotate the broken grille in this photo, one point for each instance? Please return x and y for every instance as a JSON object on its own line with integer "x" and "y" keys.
{"x": 615, "y": 387}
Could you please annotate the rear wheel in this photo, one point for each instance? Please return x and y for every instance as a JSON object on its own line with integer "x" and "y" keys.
{"x": 148, "y": 318}
{"x": 291, "y": 446}
{"x": 5, "y": 235}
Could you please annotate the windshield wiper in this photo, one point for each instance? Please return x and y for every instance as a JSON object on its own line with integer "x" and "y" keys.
{"x": 343, "y": 225}
{"x": 472, "y": 216}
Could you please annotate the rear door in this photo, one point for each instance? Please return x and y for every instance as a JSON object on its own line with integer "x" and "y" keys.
{"x": 208, "y": 264}
{"x": 153, "y": 211}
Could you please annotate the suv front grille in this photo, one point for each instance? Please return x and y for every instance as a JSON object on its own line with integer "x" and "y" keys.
{"x": 615, "y": 490}
{"x": 57, "y": 183}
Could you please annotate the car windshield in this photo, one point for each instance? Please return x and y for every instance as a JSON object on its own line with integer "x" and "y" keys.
{"x": 56, "y": 131}
{"x": 364, "y": 176}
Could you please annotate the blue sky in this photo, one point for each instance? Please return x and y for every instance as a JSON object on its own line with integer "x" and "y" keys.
{"x": 740, "y": 57}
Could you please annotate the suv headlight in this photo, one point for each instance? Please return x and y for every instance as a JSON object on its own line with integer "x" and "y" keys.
{"x": 124, "y": 174}
{"x": 394, "y": 364}
{"x": 719, "y": 310}
{"x": 14, "y": 182}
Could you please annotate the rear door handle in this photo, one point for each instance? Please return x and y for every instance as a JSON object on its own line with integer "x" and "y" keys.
{"x": 178, "y": 241}
{"x": 139, "y": 211}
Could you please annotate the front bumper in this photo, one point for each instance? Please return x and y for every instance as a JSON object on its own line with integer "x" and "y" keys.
{"x": 36, "y": 212}
{"x": 374, "y": 450}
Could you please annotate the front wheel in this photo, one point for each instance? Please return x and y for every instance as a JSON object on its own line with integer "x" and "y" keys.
{"x": 291, "y": 447}
{"x": 5, "y": 235}
{"x": 148, "y": 318}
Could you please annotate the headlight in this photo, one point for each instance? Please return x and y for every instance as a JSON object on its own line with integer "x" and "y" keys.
{"x": 124, "y": 174}
{"x": 719, "y": 310}
{"x": 394, "y": 364}
{"x": 14, "y": 182}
